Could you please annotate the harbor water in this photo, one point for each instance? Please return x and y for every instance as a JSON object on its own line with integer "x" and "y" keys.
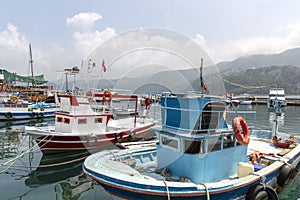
{"x": 27, "y": 174}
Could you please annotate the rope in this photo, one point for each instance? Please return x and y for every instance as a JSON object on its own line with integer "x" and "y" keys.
{"x": 206, "y": 189}
{"x": 50, "y": 165}
{"x": 168, "y": 192}
{"x": 12, "y": 161}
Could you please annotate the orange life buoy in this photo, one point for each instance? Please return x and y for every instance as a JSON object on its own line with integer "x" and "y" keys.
{"x": 13, "y": 99}
{"x": 237, "y": 123}
{"x": 148, "y": 102}
{"x": 107, "y": 96}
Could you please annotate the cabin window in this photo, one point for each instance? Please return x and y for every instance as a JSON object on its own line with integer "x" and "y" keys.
{"x": 214, "y": 144}
{"x": 194, "y": 146}
{"x": 82, "y": 121}
{"x": 170, "y": 142}
{"x": 59, "y": 119}
{"x": 228, "y": 141}
{"x": 98, "y": 120}
{"x": 67, "y": 120}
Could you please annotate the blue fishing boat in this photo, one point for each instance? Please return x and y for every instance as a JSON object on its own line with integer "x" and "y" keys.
{"x": 25, "y": 111}
{"x": 199, "y": 155}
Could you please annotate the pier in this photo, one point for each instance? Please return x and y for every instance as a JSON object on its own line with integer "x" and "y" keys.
{"x": 292, "y": 100}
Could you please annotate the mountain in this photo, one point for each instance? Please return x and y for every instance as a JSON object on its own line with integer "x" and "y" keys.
{"x": 288, "y": 57}
{"x": 253, "y": 74}
{"x": 260, "y": 80}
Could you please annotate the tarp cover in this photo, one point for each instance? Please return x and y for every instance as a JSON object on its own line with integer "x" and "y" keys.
{"x": 13, "y": 77}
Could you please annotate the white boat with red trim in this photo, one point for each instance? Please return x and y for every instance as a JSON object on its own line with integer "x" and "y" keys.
{"x": 78, "y": 127}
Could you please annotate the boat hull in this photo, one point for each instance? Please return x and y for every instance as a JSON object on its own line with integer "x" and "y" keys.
{"x": 143, "y": 187}
{"x": 55, "y": 143}
{"x": 12, "y": 115}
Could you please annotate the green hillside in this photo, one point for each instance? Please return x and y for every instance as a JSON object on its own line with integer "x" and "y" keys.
{"x": 260, "y": 80}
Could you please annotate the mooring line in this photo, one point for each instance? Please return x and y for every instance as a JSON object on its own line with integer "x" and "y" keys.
{"x": 49, "y": 165}
{"x": 12, "y": 161}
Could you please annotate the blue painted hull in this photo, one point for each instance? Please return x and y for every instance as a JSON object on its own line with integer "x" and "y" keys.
{"x": 26, "y": 115}
{"x": 131, "y": 190}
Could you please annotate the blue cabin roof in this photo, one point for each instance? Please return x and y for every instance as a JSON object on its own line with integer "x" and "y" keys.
{"x": 195, "y": 141}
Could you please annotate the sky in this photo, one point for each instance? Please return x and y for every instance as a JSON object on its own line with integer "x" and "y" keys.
{"x": 62, "y": 33}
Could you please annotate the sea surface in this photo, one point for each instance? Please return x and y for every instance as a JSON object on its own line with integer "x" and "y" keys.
{"x": 30, "y": 175}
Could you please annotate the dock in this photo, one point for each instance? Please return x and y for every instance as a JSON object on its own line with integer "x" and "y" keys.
{"x": 292, "y": 100}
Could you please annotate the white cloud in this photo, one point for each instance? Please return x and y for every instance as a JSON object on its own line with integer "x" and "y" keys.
{"x": 14, "y": 52}
{"x": 129, "y": 51}
{"x": 257, "y": 45}
{"x": 86, "y": 42}
{"x": 200, "y": 40}
{"x": 84, "y": 21}
{"x": 85, "y": 37}
{"x": 11, "y": 39}
{"x": 13, "y": 49}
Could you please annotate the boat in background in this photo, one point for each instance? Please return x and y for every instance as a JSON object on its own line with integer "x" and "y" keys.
{"x": 245, "y": 99}
{"x": 199, "y": 155}
{"x": 78, "y": 127}
{"x": 120, "y": 105}
{"x": 15, "y": 109}
{"x": 276, "y": 96}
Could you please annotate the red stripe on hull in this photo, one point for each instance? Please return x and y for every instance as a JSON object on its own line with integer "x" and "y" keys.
{"x": 56, "y": 144}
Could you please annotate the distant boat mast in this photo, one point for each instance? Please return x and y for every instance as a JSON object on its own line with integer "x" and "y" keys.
{"x": 31, "y": 66}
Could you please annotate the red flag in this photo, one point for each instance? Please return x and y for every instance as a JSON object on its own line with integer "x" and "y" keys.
{"x": 103, "y": 66}
{"x": 204, "y": 87}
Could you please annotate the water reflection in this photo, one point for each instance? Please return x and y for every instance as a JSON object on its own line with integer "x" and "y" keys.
{"x": 55, "y": 168}
{"x": 275, "y": 116}
{"x": 23, "y": 123}
{"x": 9, "y": 143}
{"x": 12, "y": 138}
{"x": 64, "y": 173}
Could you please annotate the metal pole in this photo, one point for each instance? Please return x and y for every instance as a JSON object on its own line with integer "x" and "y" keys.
{"x": 31, "y": 65}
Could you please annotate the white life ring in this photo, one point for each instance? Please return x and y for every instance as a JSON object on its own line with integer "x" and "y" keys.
{"x": 92, "y": 140}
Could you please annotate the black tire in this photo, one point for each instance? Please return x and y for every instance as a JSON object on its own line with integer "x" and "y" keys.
{"x": 284, "y": 175}
{"x": 118, "y": 137}
{"x": 40, "y": 114}
{"x": 8, "y": 115}
{"x": 31, "y": 114}
{"x": 253, "y": 192}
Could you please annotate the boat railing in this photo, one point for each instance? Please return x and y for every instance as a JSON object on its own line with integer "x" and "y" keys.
{"x": 208, "y": 121}
{"x": 249, "y": 116}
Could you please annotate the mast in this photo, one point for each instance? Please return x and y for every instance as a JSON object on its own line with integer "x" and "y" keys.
{"x": 202, "y": 83}
{"x": 31, "y": 66}
{"x": 201, "y": 77}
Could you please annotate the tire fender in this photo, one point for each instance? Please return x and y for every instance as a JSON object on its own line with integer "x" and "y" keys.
{"x": 253, "y": 192}
{"x": 284, "y": 175}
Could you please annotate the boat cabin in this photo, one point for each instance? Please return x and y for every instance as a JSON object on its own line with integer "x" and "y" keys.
{"x": 76, "y": 115}
{"x": 196, "y": 138}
